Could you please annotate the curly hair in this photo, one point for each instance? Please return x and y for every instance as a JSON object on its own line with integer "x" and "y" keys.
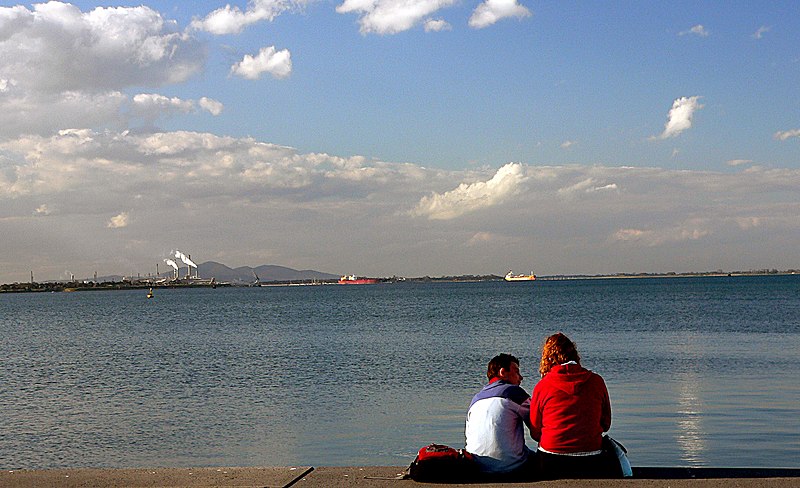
{"x": 558, "y": 349}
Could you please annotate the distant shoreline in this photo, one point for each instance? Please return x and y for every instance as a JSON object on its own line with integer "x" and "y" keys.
{"x": 72, "y": 286}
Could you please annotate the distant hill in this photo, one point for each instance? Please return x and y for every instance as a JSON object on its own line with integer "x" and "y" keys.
{"x": 265, "y": 272}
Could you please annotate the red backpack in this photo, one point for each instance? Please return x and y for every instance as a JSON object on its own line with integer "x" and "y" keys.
{"x": 437, "y": 462}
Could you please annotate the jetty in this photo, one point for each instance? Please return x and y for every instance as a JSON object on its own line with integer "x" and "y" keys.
{"x": 376, "y": 477}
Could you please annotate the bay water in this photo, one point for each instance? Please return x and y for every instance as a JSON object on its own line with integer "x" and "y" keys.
{"x": 701, "y": 371}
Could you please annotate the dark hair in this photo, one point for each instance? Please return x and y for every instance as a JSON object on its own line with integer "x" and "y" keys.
{"x": 499, "y": 362}
{"x": 558, "y": 349}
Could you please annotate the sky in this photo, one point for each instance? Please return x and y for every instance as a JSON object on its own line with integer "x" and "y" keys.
{"x": 399, "y": 137}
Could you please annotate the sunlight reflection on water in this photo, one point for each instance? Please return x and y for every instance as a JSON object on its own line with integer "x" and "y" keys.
{"x": 700, "y": 372}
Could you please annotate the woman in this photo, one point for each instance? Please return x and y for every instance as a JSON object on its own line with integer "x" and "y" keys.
{"x": 570, "y": 411}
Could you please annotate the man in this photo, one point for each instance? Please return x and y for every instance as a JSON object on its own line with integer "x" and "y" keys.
{"x": 494, "y": 431}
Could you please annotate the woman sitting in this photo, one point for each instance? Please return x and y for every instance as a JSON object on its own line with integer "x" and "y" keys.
{"x": 570, "y": 411}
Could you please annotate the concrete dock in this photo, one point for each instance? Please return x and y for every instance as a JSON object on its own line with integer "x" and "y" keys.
{"x": 372, "y": 477}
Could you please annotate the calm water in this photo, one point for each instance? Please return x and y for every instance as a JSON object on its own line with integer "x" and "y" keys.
{"x": 701, "y": 371}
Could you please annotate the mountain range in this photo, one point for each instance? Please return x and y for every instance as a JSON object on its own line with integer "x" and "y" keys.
{"x": 265, "y": 272}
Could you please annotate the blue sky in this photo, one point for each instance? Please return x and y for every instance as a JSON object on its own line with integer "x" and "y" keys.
{"x": 399, "y": 138}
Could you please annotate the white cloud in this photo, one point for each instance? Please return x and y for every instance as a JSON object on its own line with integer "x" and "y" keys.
{"x": 55, "y": 48}
{"x": 118, "y": 221}
{"x": 268, "y": 60}
{"x": 471, "y": 197}
{"x": 567, "y": 144}
{"x": 787, "y": 134}
{"x": 437, "y": 25}
{"x": 482, "y": 238}
{"x": 690, "y": 231}
{"x": 232, "y": 20}
{"x": 151, "y": 106}
{"x": 758, "y": 34}
{"x": 608, "y": 187}
{"x": 680, "y": 116}
{"x": 5, "y": 85}
{"x": 14, "y": 20}
{"x": 225, "y": 197}
{"x": 391, "y": 16}
{"x": 739, "y": 162}
{"x": 40, "y": 113}
{"x": 588, "y": 185}
{"x": 491, "y": 11}
{"x": 697, "y": 30}
{"x": 211, "y": 106}
{"x": 61, "y": 67}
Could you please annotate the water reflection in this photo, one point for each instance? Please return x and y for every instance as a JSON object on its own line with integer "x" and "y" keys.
{"x": 367, "y": 375}
{"x": 691, "y": 435}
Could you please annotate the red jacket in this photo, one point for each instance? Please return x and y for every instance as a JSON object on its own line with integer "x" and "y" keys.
{"x": 570, "y": 410}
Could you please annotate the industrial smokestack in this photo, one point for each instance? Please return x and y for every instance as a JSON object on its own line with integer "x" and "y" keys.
{"x": 188, "y": 262}
{"x": 173, "y": 265}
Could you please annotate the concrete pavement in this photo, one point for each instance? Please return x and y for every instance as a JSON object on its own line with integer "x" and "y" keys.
{"x": 370, "y": 477}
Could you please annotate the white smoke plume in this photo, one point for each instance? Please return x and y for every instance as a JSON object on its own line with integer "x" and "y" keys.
{"x": 185, "y": 259}
{"x": 171, "y": 263}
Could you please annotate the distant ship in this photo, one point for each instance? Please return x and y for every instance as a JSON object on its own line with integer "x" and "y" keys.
{"x": 352, "y": 280}
{"x": 510, "y": 276}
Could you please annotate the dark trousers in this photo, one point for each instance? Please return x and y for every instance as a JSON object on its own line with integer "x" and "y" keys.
{"x": 555, "y": 466}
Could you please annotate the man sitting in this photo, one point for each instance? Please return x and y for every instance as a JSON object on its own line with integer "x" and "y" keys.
{"x": 494, "y": 431}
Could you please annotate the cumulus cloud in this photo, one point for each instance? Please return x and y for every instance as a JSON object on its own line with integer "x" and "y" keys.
{"x": 268, "y": 60}
{"x": 679, "y": 117}
{"x": 152, "y": 105}
{"x": 118, "y": 221}
{"x": 787, "y": 134}
{"x": 436, "y": 25}
{"x": 697, "y": 30}
{"x": 56, "y": 47}
{"x": 391, "y": 16}
{"x": 474, "y": 196}
{"x": 738, "y": 162}
{"x": 62, "y": 67}
{"x": 211, "y": 106}
{"x": 491, "y": 11}
{"x": 232, "y": 20}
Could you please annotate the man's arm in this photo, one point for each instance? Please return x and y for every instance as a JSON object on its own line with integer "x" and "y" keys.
{"x": 525, "y": 412}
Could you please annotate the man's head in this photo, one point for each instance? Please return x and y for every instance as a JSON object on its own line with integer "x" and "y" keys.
{"x": 504, "y": 367}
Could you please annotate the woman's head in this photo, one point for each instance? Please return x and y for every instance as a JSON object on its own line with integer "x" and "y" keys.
{"x": 558, "y": 349}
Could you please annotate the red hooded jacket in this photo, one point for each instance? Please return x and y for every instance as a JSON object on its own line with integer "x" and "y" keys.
{"x": 570, "y": 410}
